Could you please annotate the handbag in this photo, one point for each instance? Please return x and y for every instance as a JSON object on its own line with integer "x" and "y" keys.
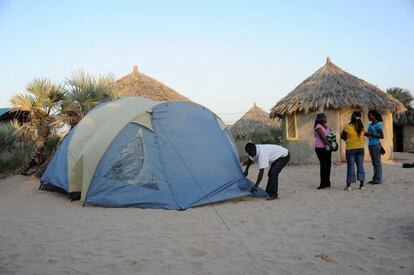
{"x": 382, "y": 150}
{"x": 332, "y": 143}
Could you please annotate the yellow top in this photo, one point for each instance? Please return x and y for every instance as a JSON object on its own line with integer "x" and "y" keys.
{"x": 354, "y": 141}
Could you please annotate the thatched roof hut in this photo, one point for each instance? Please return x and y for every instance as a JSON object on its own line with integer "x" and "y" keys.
{"x": 404, "y": 131}
{"x": 255, "y": 120}
{"x": 337, "y": 93}
{"x": 255, "y": 124}
{"x": 406, "y": 118}
{"x": 330, "y": 87}
{"x": 9, "y": 114}
{"x": 139, "y": 84}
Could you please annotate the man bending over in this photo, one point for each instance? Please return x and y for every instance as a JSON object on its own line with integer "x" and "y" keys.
{"x": 265, "y": 154}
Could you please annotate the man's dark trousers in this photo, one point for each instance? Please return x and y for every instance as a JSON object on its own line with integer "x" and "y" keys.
{"x": 275, "y": 169}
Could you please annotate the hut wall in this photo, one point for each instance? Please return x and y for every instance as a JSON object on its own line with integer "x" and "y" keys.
{"x": 408, "y": 138}
{"x": 240, "y": 144}
{"x": 387, "y": 142}
{"x": 302, "y": 150}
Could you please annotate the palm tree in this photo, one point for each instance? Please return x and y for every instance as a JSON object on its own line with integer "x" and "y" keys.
{"x": 42, "y": 99}
{"x": 84, "y": 92}
{"x": 403, "y": 95}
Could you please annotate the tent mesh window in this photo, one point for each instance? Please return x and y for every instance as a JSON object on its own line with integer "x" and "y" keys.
{"x": 131, "y": 165}
{"x": 291, "y": 126}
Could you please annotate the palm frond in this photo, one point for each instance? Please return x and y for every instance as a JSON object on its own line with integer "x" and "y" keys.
{"x": 84, "y": 91}
{"x": 23, "y": 102}
{"x": 47, "y": 95}
{"x": 403, "y": 95}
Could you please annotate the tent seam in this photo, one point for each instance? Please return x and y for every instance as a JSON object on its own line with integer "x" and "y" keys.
{"x": 186, "y": 166}
{"x": 162, "y": 166}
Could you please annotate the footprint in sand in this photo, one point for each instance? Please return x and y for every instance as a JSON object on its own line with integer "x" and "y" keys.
{"x": 130, "y": 262}
{"x": 195, "y": 252}
{"x": 51, "y": 261}
{"x": 325, "y": 258}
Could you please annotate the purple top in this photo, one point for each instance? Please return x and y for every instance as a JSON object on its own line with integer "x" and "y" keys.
{"x": 318, "y": 141}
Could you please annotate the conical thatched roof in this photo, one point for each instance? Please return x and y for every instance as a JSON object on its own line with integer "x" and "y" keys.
{"x": 139, "y": 84}
{"x": 330, "y": 87}
{"x": 255, "y": 120}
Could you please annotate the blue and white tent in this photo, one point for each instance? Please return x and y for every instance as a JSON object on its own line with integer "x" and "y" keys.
{"x": 143, "y": 153}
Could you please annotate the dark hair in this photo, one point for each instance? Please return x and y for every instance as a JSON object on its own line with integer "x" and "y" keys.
{"x": 321, "y": 117}
{"x": 250, "y": 146}
{"x": 376, "y": 114}
{"x": 356, "y": 120}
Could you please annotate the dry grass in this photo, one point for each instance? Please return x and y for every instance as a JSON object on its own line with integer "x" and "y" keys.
{"x": 405, "y": 118}
{"x": 139, "y": 84}
{"x": 255, "y": 120}
{"x": 330, "y": 87}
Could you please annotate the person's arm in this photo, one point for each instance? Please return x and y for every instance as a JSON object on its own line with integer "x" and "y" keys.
{"x": 259, "y": 179}
{"x": 247, "y": 163}
{"x": 321, "y": 135}
{"x": 378, "y": 131}
{"x": 380, "y": 134}
{"x": 344, "y": 136}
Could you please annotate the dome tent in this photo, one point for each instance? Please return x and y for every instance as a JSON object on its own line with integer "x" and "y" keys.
{"x": 142, "y": 153}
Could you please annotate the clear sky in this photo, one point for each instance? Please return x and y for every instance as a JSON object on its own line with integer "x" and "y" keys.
{"x": 222, "y": 54}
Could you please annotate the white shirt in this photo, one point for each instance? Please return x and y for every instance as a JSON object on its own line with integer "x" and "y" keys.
{"x": 268, "y": 153}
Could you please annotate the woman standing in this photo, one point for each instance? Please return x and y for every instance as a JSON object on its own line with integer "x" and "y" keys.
{"x": 353, "y": 134}
{"x": 374, "y": 145}
{"x": 324, "y": 155}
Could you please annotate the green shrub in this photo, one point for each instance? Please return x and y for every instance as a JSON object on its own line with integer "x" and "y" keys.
{"x": 14, "y": 151}
{"x": 50, "y": 146}
{"x": 8, "y": 136}
{"x": 14, "y": 159}
{"x": 273, "y": 136}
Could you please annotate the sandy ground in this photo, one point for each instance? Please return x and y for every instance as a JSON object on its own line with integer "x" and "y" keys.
{"x": 305, "y": 232}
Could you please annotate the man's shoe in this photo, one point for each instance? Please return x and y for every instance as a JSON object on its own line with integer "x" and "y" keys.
{"x": 362, "y": 188}
{"x": 348, "y": 188}
{"x": 272, "y": 198}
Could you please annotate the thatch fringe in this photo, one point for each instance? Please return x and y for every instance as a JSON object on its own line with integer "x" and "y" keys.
{"x": 405, "y": 118}
{"x": 139, "y": 84}
{"x": 255, "y": 120}
{"x": 330, "y": 87}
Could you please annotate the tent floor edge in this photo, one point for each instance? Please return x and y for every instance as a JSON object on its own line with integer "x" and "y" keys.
{"x": 74, "y": 196}
{"x": 46, "y": 186}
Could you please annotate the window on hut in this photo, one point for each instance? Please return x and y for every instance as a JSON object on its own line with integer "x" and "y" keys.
{"x": 291, "y": 126}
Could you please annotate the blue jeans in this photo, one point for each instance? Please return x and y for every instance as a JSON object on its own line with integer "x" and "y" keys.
{"x": 354, "y": 156}
{"x": 375, "y": 153}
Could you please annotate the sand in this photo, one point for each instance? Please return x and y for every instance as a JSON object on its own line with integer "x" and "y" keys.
{"x": 304, "y": 232}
